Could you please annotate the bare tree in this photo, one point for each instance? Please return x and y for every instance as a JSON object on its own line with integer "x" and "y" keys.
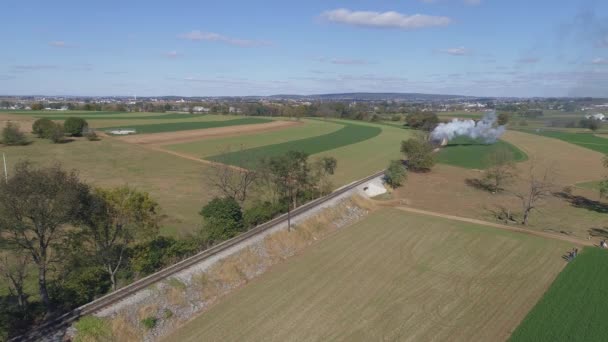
{"x": 538, "y": 187}
{"x": 501, "y": 169}
{"x": 232, "y": 181}
{"x": 13, "y": 267}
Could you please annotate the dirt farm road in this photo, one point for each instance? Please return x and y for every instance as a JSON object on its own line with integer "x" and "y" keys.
{"x": 496, "y": 225}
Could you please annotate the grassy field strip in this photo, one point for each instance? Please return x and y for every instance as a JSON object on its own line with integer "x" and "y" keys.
{"x": 392, "y": 276}
{"x": 126, "y": 117}
{"x": 587, "y": 140}
{"x": 349, "y": 134}
{"x": 210, "y": 147}
{"x": 184, "y": 126}
{"x": 358, "y": 160}
{"x": 576, "y": 305}
{"x": 471, "y": 154}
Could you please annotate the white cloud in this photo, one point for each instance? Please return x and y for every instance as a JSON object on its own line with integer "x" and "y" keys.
{"x": 60, "y": 44}
{"x": 457, "y": 51}
{"x": 216, "y": 37}
{"x": 466, "y": 2}
{"x": 172, "y": 54}
{"x": 528, "y": 60}
{"x": 389, "y": 19}
{"x": 600, "y": 61}
{"x": 30, "y": 67}
{"x": 344, "y": 61}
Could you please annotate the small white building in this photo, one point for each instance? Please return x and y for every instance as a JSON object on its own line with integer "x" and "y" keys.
{"x": 122, "y": 131}
{"x": 200, "y": 109}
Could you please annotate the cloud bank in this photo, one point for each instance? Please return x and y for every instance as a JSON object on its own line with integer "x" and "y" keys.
{"x": 388, "y": 19}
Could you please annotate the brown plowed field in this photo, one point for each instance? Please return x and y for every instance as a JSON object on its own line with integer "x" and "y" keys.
{"x": 201, "y": 134}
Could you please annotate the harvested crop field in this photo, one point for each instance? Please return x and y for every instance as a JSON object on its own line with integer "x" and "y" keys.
{"x": 190, "y": 125}
{"x": 392, "y": 276}
{"x": 201, "y": 134}
{"x": 574, "y": 308}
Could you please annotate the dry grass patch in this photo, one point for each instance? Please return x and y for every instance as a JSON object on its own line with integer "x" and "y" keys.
{"x": 391, "y": 276}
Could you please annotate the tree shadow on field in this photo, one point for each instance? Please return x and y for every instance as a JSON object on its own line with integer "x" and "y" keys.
{"x": 583, "y": 202}
{"x": 479, "y": 185}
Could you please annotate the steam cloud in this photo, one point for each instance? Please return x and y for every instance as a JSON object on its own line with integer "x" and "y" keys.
{"x": 486, "y": 129}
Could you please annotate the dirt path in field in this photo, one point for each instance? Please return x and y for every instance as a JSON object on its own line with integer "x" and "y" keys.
{"x": 170, "y": 138}
{"x": 187, "y": 156}
{"x": 496, "y": 225}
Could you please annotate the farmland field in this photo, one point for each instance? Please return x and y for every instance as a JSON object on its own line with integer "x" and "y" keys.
{"x": 472, "y": 154}
{"x": 392, "y": 276}
{"x": 176, "y": 183}
{"x": 207, "y": 148}
{"x": 586, "y": 140}
{"x": 347, "y": 135}
{"x": 190, "y": 125}
{"x": 356, "y": 160}
{"x": 574, "y": 308}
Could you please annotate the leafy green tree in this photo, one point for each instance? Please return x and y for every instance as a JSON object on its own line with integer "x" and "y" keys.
{"x": 290, "y": 175}
{"x": 503, "y": 118}
{"x": 260, "y": 212}
{"x": 12, "y": 136}
{"x": 422, "y": 120}
{"x": 43, "y": 127}
{"x": 37, "y": 106}
{"x": 419, "y": 153}
{"x": 75, "y": 127}
{"x": 223, "y": 219}
{"x": 116, "y": 218}
{"x": 395, "y": 174}
{"x": 37, "y": 208}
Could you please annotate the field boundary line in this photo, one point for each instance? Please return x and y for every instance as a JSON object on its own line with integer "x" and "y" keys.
{"x": 497, "y": 225}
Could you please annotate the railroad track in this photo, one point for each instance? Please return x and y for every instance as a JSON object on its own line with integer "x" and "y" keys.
{"x": 53, "y": 326}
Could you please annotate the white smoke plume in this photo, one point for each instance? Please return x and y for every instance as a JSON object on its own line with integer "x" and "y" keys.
{"x": 486, "y": 129}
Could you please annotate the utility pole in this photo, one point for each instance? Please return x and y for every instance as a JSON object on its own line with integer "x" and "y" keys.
{"x": 5, "y": 172}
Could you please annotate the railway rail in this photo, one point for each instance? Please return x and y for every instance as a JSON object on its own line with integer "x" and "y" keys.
{"x": 53, "y": 326}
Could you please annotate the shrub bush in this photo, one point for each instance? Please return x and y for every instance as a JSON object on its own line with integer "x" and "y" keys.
{"x": 75, "y": 126}
{"x": 43, "y": 128}
{"x": 12, "y": 136}
{"x": 395, "y": 174}
{"x": 149, "y": 322}
{"x": 91, "y": 135}
{"x": 259, "y": 213}
{"x": 91, "y": 328}
{"x": 57, "y": 134}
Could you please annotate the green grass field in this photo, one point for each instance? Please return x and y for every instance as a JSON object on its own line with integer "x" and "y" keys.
{"x": 347, "y": 135}
{"x": 184, "y": 126}
{"x": 176, "y": 183}
{"x": 576, "y": 305}
{"x": 472, "y": 154}
{"x": 586, "y": 140}
{"x": 210, "y": 147}
{"x": 393, "y": 276}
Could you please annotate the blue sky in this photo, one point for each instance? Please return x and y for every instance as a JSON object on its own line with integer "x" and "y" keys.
{"x": 210, "y": 48}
